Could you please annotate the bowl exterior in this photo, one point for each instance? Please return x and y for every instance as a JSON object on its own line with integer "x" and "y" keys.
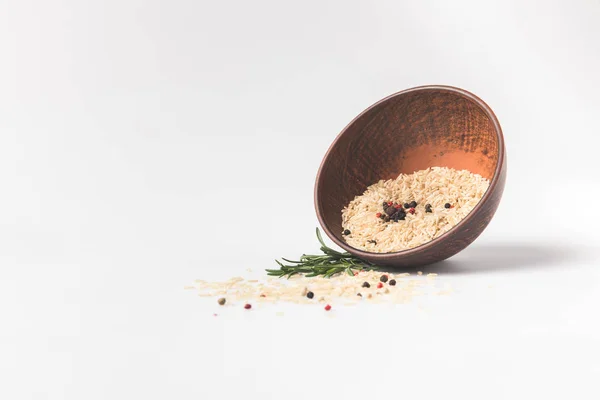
{"x": 442, "y": 247}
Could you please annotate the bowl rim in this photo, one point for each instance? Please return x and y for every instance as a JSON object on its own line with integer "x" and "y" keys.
{"x": 423, "y": 247}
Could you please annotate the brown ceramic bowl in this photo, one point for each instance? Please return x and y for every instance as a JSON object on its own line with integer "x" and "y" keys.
{"x": 408, "y": 131}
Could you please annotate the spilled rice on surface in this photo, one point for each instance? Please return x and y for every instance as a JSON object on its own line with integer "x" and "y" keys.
{"x": 339, "y": 289}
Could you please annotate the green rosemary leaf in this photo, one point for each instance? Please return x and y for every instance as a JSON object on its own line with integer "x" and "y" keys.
{"x": 320, "y": 238}
{"x": 290, "y": 261}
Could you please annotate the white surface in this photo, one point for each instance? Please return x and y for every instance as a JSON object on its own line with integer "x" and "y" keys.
{"x": 129, "y": 130}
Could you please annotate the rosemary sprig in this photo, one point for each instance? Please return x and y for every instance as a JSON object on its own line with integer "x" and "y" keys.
{"x": 330, "y": 263}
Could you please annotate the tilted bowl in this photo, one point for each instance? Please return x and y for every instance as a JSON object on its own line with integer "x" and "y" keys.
{"x": 408, "y": 131}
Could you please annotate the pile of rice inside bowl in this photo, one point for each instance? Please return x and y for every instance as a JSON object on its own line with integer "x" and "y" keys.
{"x": 452, "y": 194}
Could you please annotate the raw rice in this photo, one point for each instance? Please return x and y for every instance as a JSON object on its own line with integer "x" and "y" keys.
{"x": 340, "y": 289}
{"x": 436, "y": 186}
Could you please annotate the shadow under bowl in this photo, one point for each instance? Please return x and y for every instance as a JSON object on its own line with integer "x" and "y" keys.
{"x": 408, "y": 131}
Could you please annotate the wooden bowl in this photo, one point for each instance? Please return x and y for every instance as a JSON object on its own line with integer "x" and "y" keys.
{"x": 408, "y": 131}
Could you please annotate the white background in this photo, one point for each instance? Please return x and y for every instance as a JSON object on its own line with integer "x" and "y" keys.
{"x": 145, "y": 144}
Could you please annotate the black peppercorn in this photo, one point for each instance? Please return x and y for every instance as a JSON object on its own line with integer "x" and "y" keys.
{"x": 447, "y": 205}
{"x": 390, "y": 211}
{"x": 406, "y": 205}
{"x": 366, "y": 284}
{"x": 386, "y": 218}
{"x": 400, "y": 216}
{"x": 413, "y": 204}
{"x": 428, "y": 208}
{"x": 346, "y": 232}
{"x": 385, "y": 205}
{"x": 383, "y": 278}
{"x": 392, "y": 282}
{"x": 310, "y": 295}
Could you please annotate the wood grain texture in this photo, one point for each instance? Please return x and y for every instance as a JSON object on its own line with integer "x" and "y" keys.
{"x": 408, "y": 131}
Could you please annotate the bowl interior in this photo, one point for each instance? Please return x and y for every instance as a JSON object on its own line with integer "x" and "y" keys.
{"x": 404, "y": 133}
